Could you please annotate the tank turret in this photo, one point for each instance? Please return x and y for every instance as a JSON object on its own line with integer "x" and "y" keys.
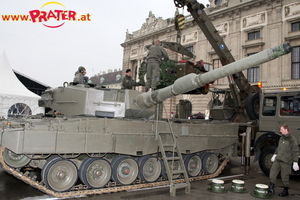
{"x": 82, "y": 99}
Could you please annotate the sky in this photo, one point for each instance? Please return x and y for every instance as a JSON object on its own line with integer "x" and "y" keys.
{"x": 52, "y": 55}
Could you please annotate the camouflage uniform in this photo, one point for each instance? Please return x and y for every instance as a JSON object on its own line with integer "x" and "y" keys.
{"x": 77, "y": 77}
{"x": 128, "y": 83}
{"x": 79, "y": 73}
{"x": 286, "y": 153}
{"x": 156, "y": 53}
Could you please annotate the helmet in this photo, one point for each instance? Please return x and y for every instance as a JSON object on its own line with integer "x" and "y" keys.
{"x": 81, "y": 69}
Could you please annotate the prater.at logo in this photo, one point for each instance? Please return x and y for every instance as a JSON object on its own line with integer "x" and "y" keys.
{"x": 52, "y": 17}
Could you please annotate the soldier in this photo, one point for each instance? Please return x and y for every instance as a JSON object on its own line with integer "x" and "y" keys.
{"x": 127, "y": 82}
{"x": 155, "y": 56}
{"x": 80, "y": 72}
{"x": 285, "y": 155}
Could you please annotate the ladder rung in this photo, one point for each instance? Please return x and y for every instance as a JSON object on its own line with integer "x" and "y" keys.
{"x": 169, "y": 145}
{"x": 178, "y": 172}
{"x": 164, "y": 132}
{"x": 180, "y": 185}
{"x": 173, "y": 158}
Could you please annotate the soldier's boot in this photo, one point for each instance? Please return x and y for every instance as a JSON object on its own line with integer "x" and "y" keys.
{"x": 271, "y": 188}
{"x": 285, "y": 192}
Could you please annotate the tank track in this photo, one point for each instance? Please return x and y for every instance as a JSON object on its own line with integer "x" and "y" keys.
{"x": 80, "y": 190}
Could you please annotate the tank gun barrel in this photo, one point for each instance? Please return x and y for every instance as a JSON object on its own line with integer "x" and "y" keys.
{"x": 193, "y": 81}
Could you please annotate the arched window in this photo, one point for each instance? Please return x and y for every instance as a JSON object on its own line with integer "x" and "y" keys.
{"x": 19, "y": 110}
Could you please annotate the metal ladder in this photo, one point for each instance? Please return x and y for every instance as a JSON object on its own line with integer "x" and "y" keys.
{"x": 176, "y": 157}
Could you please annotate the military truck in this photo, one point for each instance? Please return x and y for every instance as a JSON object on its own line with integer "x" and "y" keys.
{"x": 278, "y": 106}
{"x": 274, "y": 106}
{"x": 241, "y": 102}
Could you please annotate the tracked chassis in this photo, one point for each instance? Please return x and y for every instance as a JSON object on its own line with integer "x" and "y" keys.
{"x": 150, "y": 173}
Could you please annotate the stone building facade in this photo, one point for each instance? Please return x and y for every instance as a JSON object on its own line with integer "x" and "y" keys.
{"x": 111, "y": 79}
{"x": 246, "y": 26}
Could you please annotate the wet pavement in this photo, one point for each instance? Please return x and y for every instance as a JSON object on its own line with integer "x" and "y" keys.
{"x": 14, "y": 189}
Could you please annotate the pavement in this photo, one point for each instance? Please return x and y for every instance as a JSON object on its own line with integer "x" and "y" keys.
{"x": 14, "y": 189}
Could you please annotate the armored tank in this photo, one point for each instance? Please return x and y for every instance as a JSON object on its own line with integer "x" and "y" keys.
{"x": 101, "y": 140}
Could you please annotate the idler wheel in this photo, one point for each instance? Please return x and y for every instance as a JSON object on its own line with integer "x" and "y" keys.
{"x": 15, "y": 160}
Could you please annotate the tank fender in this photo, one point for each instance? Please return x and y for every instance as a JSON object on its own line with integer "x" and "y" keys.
{"x": 259, "y": 143}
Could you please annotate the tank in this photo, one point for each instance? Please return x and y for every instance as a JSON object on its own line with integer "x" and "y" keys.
{"x": 97, "y": 140}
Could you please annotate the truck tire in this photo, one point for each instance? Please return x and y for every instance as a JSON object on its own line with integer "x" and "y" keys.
{"x": 252, "y": 106}
{"x": 265, "y": 162}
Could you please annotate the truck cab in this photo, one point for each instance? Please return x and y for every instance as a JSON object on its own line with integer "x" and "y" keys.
{"x": 278, "y": 107}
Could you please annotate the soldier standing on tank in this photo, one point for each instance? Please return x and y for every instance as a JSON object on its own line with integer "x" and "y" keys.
{"x": 80, "y": 72}
{"x": 154, "y": 58}
{"x": 285, "y": 155}
{"x": 127, "y": 82}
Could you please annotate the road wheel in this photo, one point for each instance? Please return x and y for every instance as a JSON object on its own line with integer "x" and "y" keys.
{"x": 265, "y": 162}
{"x": 15, "y": 160}
{"x": 192, "y": 164}
{"x": 125, "y": 170}
{"x": 59, "y": 174}
{"x": 149, "y": 168}
{"x": 95, "y": 172}
{"x": 210, "y": 163}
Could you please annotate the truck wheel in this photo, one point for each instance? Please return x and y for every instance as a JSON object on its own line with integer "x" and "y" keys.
{"x": 252, "y": 106}
{"x": 265, "y": 162}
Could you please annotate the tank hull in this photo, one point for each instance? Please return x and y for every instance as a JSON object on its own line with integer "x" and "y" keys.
{"x": 101, "y": 155}
{"x": 103, "y": 135}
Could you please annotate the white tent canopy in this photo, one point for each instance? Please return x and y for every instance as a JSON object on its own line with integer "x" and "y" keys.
{"x": 15, "y": 98}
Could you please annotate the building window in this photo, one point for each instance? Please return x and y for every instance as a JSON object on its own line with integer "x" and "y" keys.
{"x": 254, "y": 35}
{"x": 296, "y": 26}
{"x": 296, "y": 62}
{"x": 253, "y": 72}
{"x": 217, "y": 64}
{"x": 217, "y": 2}
{"x": 190, "y": 48}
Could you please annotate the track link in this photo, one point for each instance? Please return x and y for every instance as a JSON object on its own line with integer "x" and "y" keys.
{"x": 81, "y": 190}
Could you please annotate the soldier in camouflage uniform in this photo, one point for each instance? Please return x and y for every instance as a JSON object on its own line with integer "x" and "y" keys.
{"x": 285, "y": 155}
{"x": 80, "y": 72}
{"x": 127, "y": 82}
{"x": 155, "y": 56}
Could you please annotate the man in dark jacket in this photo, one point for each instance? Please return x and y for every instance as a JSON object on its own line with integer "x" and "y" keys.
{"x": 154, "y": 58}
{"x": 285, "y": 155}
{"x": 80, "y": 72}
{"x": 127, "y": 82}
